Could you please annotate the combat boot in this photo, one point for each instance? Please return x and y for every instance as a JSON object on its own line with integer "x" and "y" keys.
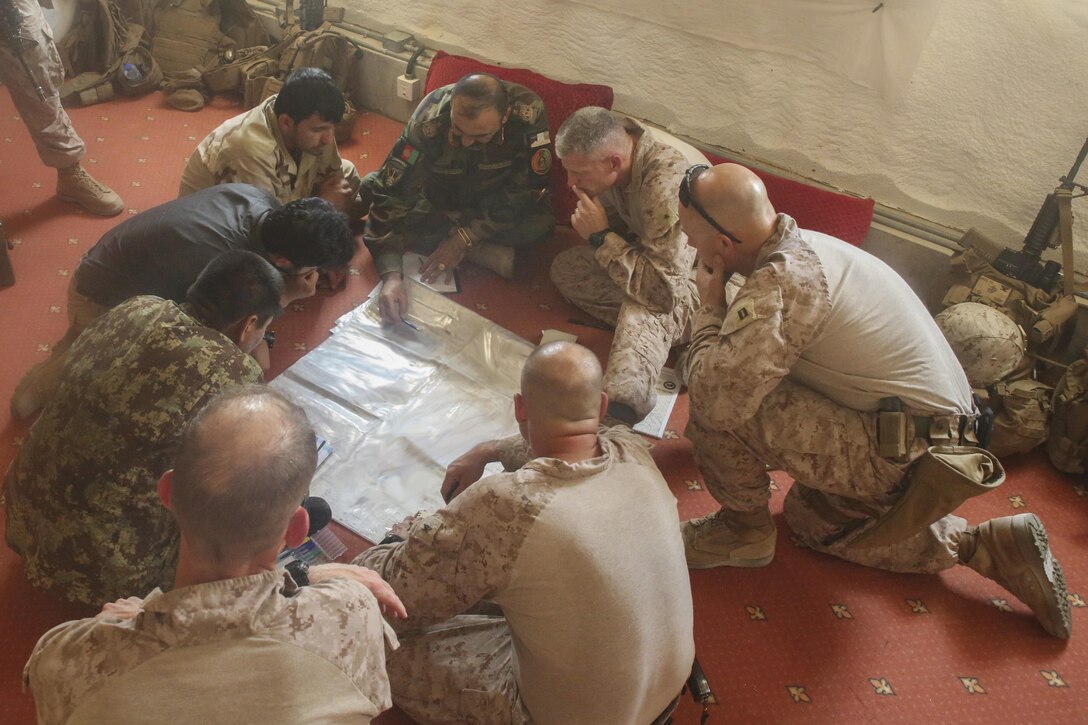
{"x": 496, "y": 257}
{"x": 75, "y": 185}
{"x": 1014, "y": 552}
{"x": 729, "y": 538}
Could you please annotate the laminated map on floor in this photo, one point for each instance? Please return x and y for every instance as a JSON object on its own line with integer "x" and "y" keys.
{"x": 397, "y": 405}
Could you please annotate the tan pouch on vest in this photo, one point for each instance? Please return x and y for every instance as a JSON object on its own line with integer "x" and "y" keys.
{"x": 942, "y": 479}
{"x": 1067, "y": 444}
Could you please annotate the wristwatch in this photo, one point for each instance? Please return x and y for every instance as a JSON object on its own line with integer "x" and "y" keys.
{"x": 596, "y": 239}
{"x": 300, "y": 572}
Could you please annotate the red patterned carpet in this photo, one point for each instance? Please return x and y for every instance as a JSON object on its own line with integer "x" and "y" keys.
{"x": 807, "y": 639}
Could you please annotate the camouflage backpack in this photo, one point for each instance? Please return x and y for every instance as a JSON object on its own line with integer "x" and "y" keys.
{"x": 1067, "y": 444}
{"x": 97, "y": 49}
{"x": 320, "y": 48}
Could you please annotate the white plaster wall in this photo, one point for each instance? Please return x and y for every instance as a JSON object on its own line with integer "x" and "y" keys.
{"x": 995, "y": 111}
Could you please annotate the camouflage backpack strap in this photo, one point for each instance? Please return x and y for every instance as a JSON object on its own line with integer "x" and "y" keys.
{"x": 1067, "y": 444}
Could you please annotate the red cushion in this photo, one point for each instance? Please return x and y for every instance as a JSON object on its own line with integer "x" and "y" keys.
{"x": 561, "y": 100}
{"x": 840, "y": 215}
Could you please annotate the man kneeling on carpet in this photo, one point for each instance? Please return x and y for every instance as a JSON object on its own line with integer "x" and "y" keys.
{"x": 827, "y": 366}
{"x": 235, "y": 640}
{"x": 596, "y": 614}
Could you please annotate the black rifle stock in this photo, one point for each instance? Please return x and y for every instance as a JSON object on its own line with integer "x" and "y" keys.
{"x": 1025, "y": 264}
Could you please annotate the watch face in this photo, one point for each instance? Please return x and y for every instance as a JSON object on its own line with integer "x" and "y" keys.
{"x": 299, "y": 571}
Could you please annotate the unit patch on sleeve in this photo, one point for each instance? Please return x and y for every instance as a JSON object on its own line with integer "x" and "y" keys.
{"x": 541, "y": 162}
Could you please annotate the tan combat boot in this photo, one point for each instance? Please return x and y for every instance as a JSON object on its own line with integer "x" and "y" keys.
{"x": 496, "y": 257}
{"x": 74, "y": 184}
{"x": 1015, "y": 553}
{"x": 729, "y": 538}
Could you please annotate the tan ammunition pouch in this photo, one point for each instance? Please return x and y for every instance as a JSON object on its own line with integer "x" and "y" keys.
{"x": 1023, "y": 421}
{"x": 942, "y": 479}
{"x": 1067, "y": 444}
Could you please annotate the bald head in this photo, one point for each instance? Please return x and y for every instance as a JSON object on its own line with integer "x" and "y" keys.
{"x": 478, "y": 92}
{"x": 736, "y": 198}
{"x": 244, "y": 465}
{"x": 561, "y": 381}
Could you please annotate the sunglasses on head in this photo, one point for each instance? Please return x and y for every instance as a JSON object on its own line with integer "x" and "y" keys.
{"x": 687, "y": 198}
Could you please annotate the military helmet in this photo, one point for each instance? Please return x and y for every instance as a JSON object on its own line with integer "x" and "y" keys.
{"x": 988, "y": 344}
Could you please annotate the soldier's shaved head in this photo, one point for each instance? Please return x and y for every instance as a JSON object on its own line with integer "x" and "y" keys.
{"x": 562, "y": 381}
{"x": 737, "y": 199}
{"x": 478, "y": 92}
{"x": 242, "y": 469}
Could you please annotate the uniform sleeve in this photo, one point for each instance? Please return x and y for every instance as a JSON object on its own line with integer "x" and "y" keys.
{"x": 456, "y": 557}
{"x": 653, "y": 270}
{"x": 52, "y": 673}
{"x": 738, "y": 355}
{"x": 529, "y": 186}
{"x": 398, "y": 195}
{"x": 514, "y": 452}
{"x": 340, "y": 620}
{"x": 256, "y": 169}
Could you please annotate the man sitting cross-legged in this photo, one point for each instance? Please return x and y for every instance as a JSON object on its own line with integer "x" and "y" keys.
{"x": 235, "y": 640}
{"x": 596, "y": 613}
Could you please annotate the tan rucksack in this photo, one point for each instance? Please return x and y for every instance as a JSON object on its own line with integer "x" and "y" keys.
{"x": 95, "y": 52}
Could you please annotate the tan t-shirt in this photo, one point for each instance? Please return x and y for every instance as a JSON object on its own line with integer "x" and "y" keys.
{"x": 587, "y": 563}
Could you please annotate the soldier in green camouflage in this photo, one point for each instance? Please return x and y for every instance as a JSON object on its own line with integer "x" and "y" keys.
{"x": 81, "y": 501}
{"x": 469, "y": 178}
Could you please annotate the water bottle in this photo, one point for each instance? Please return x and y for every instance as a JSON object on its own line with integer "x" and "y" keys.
{"x": 132, "y": 74}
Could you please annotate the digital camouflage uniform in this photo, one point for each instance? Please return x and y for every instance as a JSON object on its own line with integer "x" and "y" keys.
{"x": 250, "y": 149}
{"x": 639, "y": 279}
{"x": 430, "y": 183}
{"x": 582, "y": 637}
{"x": 755, "y": 399}
{"x": 81, "y": 499}
{"x": 253, "y": 649}
{"x": 58, "y": 145}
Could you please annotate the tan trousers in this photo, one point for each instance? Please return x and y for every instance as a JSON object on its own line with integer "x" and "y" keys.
{"x": 831, "y": 453}
{"x": 58, "y": 145}
{"x": 459, "y": 671}
{"x": 43, "y": 379}
{"x": 643, "y": 338}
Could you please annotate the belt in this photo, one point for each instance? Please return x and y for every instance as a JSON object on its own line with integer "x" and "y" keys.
{"x": 944, "y": 430}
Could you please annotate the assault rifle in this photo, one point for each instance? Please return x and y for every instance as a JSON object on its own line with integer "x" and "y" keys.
{"x": 1055, "y": 215}
{"x": 10, "y": 22}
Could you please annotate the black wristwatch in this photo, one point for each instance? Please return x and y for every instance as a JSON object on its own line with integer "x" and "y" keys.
{"x": 596, "y": 239}
{"x": 300, "y": 572}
